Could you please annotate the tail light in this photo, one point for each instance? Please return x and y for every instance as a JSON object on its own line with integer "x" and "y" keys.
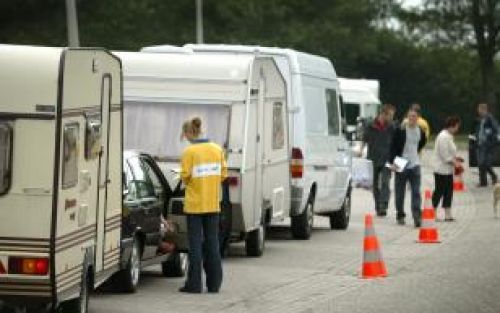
{"x": 28, "y": 266}
{"x": 297, "y": 163}
{"x": 232, "y": 181}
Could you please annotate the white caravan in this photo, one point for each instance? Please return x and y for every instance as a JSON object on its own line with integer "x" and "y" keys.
{"x": 320, "y": 160}
{"x": 60, "y": 174}
{"x": 242, "y": 102}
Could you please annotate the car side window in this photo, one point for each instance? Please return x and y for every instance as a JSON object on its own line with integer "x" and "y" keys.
{"x": 152, "y": 177}
{"x": 129, "y": 183}
{"x": 143, "y": 183}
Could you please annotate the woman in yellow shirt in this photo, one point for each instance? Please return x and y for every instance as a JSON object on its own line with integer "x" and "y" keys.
{"x": 203, "y": 168}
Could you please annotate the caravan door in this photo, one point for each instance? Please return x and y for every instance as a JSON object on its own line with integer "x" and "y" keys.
{"x": 103, "y": 172}
{"x": 251, "y": 174}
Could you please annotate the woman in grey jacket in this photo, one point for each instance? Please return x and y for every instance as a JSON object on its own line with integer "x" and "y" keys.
{"x": 445, "y": 161}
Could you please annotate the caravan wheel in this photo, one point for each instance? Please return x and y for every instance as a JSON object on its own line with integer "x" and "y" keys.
{"x": 255, "y": 241}
{"x": 80, "y": 304}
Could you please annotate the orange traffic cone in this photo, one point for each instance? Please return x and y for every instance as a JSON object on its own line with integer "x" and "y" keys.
{"x": 428, "y": 231}
{"x": 373, "y": 264}
{"x": 458, "y": 183}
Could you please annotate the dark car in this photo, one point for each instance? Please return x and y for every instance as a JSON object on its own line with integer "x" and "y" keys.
{"x": 146, "y": 195}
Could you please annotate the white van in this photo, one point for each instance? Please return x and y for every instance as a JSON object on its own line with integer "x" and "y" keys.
{"x": 360, "y": 99}
{"x": 60, "y": 174}
{"x": 360, "y": 103}
{"x": 242, "y": 102}
{"x": 320, "y": 160}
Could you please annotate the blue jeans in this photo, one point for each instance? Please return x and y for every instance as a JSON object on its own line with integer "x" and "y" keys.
{"x": 381, "y": 191}
{"x": 204, "y": 251}
{"x": 485, "y": 157}
{"x": 413, "y": 176}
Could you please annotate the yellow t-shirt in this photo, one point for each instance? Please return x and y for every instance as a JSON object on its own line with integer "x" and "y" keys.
{"x": 203, "y": 168}
{"x": 423, "y": 124}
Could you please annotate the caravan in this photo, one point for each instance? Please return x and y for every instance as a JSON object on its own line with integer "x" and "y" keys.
{"x": 242, "y": 101}
{"x": 60, "y": 193}
{"x": 64, "y": 228}
{"x": 319, "y": 157}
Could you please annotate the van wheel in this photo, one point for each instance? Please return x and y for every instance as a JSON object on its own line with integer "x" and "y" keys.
{"x": 255, "y": 241}
{"x": 127, "y": 279}
{"x": 80, "y": 304}
{"x": 302, "y": 224}
{"x": 175, "y": 266}
{"x": 340, "y": 219}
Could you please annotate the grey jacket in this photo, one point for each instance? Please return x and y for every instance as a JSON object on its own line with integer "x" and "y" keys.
{"x": 379, "y": 142}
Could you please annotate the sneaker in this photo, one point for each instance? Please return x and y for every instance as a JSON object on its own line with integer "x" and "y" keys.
{"x": 418, "y": 223}
{"x": 401, "y": 221}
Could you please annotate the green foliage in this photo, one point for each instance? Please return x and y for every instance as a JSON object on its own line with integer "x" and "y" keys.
{"x": 444, "y": 79}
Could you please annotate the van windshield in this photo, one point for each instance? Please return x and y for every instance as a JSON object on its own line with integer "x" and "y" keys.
{"x": 352, "y": 112}
{"x": 5, "y": 156}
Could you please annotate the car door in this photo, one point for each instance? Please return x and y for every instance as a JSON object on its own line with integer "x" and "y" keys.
{"x": 150, "y": 205}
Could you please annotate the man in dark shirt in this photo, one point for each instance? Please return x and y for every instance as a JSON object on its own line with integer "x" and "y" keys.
{"x": 378, "y": 137}
{"x": 486, "y": 132}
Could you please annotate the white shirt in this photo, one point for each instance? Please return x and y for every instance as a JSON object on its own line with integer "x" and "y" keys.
{"x": 445, "y": 152}
{"x": 410, "y": 150}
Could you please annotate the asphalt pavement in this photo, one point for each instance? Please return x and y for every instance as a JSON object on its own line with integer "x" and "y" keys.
{"x": 460, "y": 274}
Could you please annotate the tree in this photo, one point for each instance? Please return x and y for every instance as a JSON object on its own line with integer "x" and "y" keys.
{"x": 473, "y": 24}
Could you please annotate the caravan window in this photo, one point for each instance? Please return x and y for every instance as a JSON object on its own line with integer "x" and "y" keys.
{"x": 333, "y": 112}
{"x": 278, "y": 126}
{"x": 5, "y": 157}
{"x": 70, "y": 155}
{"x": 155, "y": 128}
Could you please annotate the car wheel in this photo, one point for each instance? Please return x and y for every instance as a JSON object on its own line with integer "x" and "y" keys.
{"x": 176, "y": 265}
{"x": 302, "y": 224}
{"x": 80, "y": 304}
{"x": 340, "y": 219}
{"x": 128, "y": 278}
{"x": 255, "y": 241}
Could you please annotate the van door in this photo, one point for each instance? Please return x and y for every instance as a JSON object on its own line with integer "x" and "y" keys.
{"x": 103, "y": 181}
{"x": 342, "y": 159}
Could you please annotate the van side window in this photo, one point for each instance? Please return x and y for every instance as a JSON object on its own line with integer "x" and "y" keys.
{"x": 71, "y": 137}
{"x": 278, "y": 126}
{"x": 333, "y": 112}
{"x": 5, "y": 157}
{"x": 316, "y": 123}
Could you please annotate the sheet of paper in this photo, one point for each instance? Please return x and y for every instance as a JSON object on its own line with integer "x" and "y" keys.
{"x": 400, "y": 164}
